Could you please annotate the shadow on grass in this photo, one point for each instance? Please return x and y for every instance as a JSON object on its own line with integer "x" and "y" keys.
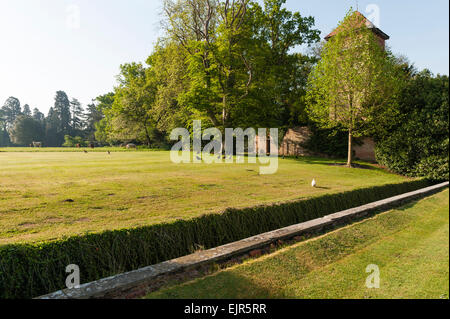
{"x": 338, "y": 162}
{"x": 223, "y": 285}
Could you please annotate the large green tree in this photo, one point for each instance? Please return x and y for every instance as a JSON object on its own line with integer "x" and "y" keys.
{"x": 282, "y": 74}
{"x": 98, "y": 117}
{"x": 8, "y": 115}
{"x": 38, "y": 115}
{"x": 59, "y": 120}
{"x": 238, "y": 57}
{"x": 26, "y": 110}
{"x": 26, "y": 130}
{"x": 10, "y": 111}
{"x": 4, "y": 136}
{"x": 52, "y": 131}
{"x": 228, "y": 63}
{"x": 77, "y": 114}
{"x": 62, "y": 109}
{"x": 353, "y": 82}
{"x": 131, "y": 112}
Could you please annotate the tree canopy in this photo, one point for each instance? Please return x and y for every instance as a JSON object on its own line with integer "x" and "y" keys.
{"x": 353, "y": 81}
{"x": 228, "y": 63}
{"x": 416, "y": 141}
{"x": 26, "y": 130}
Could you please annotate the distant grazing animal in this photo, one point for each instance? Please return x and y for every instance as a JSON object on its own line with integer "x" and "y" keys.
{"x": 109, "y": 153}
{"x": 78, "y": 145}
{"x": 131, "y": 146}
{"x": 37, "y": 144}
{"x": 92, "y": 146}
{"x": 85, "y": 152}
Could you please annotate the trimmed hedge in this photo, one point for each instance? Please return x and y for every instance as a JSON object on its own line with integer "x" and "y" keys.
{"x": 31, "y": 270}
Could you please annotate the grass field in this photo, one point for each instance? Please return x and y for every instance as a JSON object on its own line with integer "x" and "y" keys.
{"x": 410, "y": 245}
{"x": 48, "y": 194}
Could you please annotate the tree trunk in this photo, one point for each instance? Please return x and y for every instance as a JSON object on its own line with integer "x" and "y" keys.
{"x": 224, "y": 117}
{"x": 350, "y": 148}
{"x": 147, "y": 136}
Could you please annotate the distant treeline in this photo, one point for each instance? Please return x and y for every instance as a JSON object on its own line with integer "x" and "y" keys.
{"x": 229, "y": 64}
{"x": 19, "y": 126}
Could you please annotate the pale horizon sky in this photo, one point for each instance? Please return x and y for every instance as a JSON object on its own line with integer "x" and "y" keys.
{"x": 44, "y": 49}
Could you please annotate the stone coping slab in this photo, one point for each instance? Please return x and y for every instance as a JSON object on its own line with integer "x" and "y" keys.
{"x": 144, "y": 276}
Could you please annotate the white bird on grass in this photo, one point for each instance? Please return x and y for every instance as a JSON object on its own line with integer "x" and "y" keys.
{"x": 314, "y": 183}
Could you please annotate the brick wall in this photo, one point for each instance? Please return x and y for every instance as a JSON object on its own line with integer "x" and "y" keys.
{"x": 293, "y": 140}
{"x": 297, "y": 136}
{"x": 366, "y": 151}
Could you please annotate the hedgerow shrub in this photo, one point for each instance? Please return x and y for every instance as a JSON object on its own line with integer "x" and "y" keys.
{"x": 417, "y": 145}
{"x": 31, "y": 270}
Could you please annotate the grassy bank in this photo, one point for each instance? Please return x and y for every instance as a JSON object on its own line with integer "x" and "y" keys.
{"x": 410, "y": 245}
{"x": 48, "y": 195}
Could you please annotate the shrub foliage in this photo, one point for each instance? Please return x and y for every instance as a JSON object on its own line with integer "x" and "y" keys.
{"x": 417, "y": 144}
{"x": 329, "y": 141}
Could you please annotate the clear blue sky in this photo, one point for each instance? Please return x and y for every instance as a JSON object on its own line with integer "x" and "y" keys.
{"x": 45, "y": 49}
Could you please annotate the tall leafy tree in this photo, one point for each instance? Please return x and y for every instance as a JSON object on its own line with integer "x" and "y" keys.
{"x": 282, "y": 74}
{"x": 98, "y": 117}
{"x": 26, "y": 130}
{"x": 52, "y": 129}
{"x": 416, "y": 141}
{"x": 62, "y": 110}
{"x": 238, "y": 58}
{"x": 77, "y": 114}
{"x": 167, "y": 71}
{"x": 38, "y": 115}
{"x": 92, "y": 116}
{"x": 225, "y": 62}
{"x": 4, "y": 136}
{"x": 26, "y": 110}
{"x": 61, "y": 117}
{"x": 133, "y": 102}
{"x": 11, "y": 110}
{"x": 193, "y": 24}
{"x": 8, "y": 115}
{"x": 353, "y": 82}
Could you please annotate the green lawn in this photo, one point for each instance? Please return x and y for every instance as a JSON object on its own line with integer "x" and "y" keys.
{"x": 129, "y": 189}
{"x": 410, "y": 245}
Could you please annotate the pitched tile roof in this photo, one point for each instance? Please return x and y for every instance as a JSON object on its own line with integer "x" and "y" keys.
{"x": 368, "y": 24}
